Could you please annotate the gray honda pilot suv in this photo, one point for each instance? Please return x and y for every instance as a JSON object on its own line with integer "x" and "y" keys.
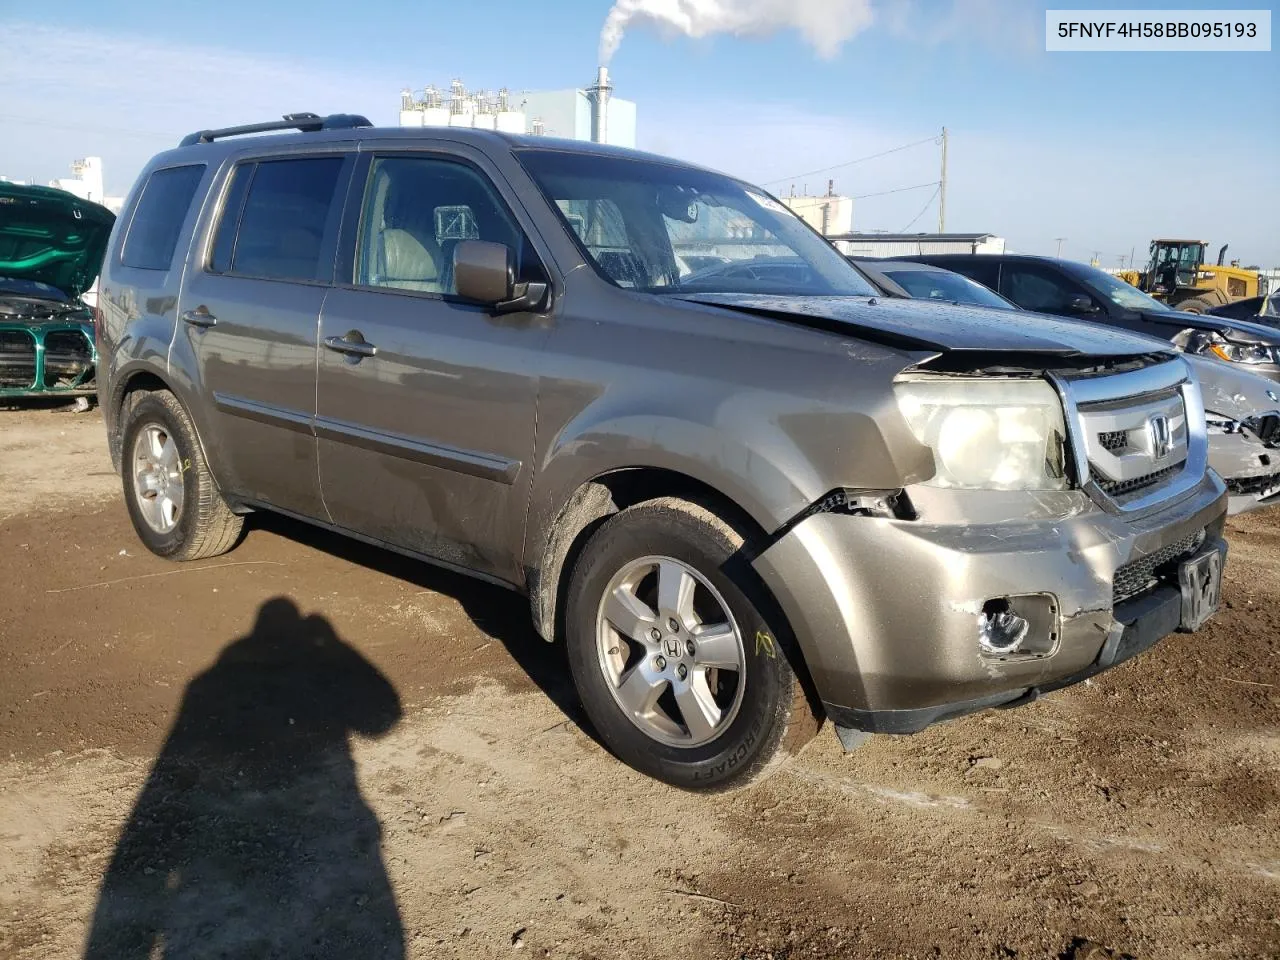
{"x": 746, "y": 492}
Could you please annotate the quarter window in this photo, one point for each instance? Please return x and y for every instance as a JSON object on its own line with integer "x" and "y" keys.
{"x": 158, "y": 217}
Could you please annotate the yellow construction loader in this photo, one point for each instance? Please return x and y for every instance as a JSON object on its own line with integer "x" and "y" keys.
{"x": 1178, "y": 275}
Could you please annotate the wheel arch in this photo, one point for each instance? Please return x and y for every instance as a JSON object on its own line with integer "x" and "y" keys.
{"x": 599, "y": 498}
{"x": 125, "y": 385}
{"x": 131, "y": 382}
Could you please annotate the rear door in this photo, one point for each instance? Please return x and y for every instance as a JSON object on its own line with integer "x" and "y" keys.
{"x": 426, "y": 403}
{"x": 250, "y": 312}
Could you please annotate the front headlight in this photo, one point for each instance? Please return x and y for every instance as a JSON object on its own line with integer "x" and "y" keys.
{"x": 1241, "y": 352}
{"x": 988, "y": 434}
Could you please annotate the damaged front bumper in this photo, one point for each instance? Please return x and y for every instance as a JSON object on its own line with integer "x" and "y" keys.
{"x": 889, "y": 612}
{"x": 1250, "y": 468}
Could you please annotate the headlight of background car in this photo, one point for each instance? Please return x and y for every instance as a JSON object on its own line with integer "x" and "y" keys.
{"x": 1240, "y": 352}
{"x": 988, "y": 434}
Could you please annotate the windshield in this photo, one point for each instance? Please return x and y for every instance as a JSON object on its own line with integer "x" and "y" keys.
{"x": 944, "y": 285}
{"x": 664, "y": 228}
{"x": 1116, "y": 290}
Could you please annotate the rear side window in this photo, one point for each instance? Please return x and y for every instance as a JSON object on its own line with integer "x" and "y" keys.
{"x": 158, "y": 217}
{"x": 984, "y": 272}
{"x": 283, "y": 222}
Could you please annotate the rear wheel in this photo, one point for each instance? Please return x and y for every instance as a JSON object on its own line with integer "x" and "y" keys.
{"x": 172, "y": 498}
{"x": 672, "y": 655}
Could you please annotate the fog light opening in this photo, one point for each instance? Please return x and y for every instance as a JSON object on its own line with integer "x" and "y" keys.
{"x": 1000, "y": 630}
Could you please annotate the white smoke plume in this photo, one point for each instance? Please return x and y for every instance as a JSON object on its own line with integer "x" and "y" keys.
{"x": 825, "y": 24}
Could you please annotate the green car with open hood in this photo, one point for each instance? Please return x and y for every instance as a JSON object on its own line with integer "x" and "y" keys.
{"x": 51, "y": 249}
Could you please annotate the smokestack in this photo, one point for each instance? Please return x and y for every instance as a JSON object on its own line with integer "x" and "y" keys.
{"x": 599, "y": 95}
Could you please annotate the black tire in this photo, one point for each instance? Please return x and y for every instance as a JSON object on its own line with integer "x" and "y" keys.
{"x": 774, "y": 719}
{"x": 1195, "y": 305}
{"x": 205, "y": 526}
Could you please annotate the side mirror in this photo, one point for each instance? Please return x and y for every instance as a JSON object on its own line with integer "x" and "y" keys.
{"x": 1080, "y": 304}
{"x": 483, "y": 272}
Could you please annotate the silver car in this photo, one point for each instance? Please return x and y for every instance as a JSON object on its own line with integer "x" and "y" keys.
{"x": 747, "y": 493}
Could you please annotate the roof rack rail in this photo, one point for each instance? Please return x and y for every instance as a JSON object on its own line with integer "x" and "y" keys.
{"x": 305, "y": 122}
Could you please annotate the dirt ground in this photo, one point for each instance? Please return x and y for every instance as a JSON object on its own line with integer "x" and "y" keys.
{"x": 311, "y": 748}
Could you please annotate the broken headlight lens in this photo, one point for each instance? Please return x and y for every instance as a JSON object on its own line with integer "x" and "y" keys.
{"x": 988, "y": 434}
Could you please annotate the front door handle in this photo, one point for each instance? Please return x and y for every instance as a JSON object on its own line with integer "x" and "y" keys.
{"x": 199, "y": 317}
{"x": 353, "y": 345}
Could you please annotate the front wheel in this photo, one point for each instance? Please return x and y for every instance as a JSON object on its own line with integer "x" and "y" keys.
{"x": 671, "y": 652}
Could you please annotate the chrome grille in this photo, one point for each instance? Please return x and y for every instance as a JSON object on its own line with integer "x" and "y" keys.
{"x": 1138, "y": 437}
{"x": 17, "y": 358}
{"x": 1114, "y": 440}
{"x": 1120, "y": 489}
{"x": 1139, "y": 576}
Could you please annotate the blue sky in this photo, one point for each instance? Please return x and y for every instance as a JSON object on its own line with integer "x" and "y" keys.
{"x": 1106, "y": 150}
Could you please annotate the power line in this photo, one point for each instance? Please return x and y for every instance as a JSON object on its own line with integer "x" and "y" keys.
{"x": 922, "y": 210}
{"x": 885, "y": 193}
{"x": 850, "y": 163}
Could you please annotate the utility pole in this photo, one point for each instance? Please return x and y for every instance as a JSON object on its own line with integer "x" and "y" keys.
{"x": 942, "y": 187}
{"x": 1059, "y": 239}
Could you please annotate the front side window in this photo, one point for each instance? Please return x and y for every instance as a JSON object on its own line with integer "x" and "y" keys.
{"x": 416, "y": 211}
{"x": 669, "y": 229}
{"x": 283, "y": 222}
{"x": 1034, "y": 289}
{"x": 158, "y": 217}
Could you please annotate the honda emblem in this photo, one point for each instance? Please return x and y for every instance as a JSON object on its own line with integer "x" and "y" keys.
{"x": 1160, "y": 436}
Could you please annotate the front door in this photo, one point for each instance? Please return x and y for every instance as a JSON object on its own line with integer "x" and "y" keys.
{"x": 426, "y": 404}
{"x": 250, "y": 317}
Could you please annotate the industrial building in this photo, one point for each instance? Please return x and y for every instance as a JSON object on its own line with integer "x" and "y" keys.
{"x": 914, "y": 244}
{"x": 830, "y": 215}
{"x": 589, "y": 113}
{"x": 85, "y": 184}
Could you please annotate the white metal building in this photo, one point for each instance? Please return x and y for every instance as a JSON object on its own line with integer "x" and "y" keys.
{"x": 589, "y": 113}
{"x": 830, "y": 215}
{"x": 914, "y": 244}
{"x": 87, "y": 184}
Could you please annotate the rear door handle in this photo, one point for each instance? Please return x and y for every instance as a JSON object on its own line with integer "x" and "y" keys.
{"x": 199, "y": 317}
{"x": 353, "y": 344}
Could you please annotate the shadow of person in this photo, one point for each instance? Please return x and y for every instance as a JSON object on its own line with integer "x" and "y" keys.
{"x": 250, "y": 837}
{"x": 498, "y": 613}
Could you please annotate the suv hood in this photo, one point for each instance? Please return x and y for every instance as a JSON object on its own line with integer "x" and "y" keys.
{"x": 918, "y": 324}
{"x": 52, "y": 237}
{"x": 1241, "y": 331}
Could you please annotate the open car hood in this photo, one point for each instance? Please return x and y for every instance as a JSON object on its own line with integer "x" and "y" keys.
{"x": 932, "y": 325}
{"x": 1241, "y": 331}
{"x": 53, "y": 237}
